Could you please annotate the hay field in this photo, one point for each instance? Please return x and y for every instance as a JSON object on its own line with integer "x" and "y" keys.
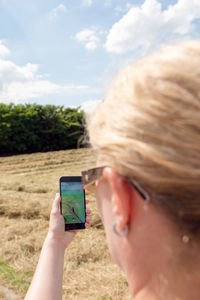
{"x": 28, "y": 184}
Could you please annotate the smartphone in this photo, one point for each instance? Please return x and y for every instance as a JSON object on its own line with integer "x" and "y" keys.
{"x": 72, "y": 204}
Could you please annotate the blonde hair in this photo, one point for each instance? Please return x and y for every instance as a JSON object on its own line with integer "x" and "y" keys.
{"x": 148, "y": 128}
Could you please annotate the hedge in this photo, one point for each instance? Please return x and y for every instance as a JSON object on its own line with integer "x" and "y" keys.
{"x": 36, "y": 128}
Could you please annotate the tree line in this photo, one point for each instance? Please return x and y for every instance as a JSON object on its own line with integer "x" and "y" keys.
{"x": 32, "y": 128}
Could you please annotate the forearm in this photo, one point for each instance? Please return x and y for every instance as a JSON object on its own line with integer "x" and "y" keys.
{"x": 47, "y": 281}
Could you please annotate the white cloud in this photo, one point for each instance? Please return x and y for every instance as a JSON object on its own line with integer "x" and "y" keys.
{"x": 18, "y": 91}
{"x": 19, "y": 83}
{"x": 148, "y": 24}
{"x": 90, "y": 105}
{"x": 107, "y": 3}
{"x": 120, "y": 9}
{"x": 55, "y": 12}
{"x": 3, "y": 49}
{"x": 88, "y": 38}
{"x": 87, "y": 2}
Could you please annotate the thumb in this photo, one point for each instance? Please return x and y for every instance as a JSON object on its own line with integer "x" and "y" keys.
{"x": 56, "y": 204}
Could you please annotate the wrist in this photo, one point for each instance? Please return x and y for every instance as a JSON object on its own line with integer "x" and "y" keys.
{"x": 54, "y": 241}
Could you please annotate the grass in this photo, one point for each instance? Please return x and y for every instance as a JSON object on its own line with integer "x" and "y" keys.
{"x": 104, "y": 298}
{"x": 27, "y": 188}
{"x": 13, "y": 278}
{"x": 2, "y": 295}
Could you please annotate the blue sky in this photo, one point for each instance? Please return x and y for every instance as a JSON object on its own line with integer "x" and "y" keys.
{"x": 67, "y": 52}
{"x": 71, "y": 186}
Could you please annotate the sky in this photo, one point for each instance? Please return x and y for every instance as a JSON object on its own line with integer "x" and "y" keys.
{"x": 68, "y": 52}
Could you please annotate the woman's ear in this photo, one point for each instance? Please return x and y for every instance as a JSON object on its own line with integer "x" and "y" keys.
{"x": 122, "y": 194}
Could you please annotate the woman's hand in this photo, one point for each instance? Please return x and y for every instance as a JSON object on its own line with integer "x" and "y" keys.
{"x": 47, "y": 280}
{"x": 57, "y": 227}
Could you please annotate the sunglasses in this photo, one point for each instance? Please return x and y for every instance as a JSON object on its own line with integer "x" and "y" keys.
{"x": 90, "y": 176}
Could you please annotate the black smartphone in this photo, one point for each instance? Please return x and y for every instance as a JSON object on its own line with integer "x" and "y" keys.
{"x": 72, "y": 204}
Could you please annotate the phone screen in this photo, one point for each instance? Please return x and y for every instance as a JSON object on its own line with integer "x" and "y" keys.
{"x": 72, "y": 202}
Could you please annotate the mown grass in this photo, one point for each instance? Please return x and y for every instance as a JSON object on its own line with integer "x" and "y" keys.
{"x": 2, "y": 295}
{"x": 15, "y": 279}
{"x": 27, "y": 187}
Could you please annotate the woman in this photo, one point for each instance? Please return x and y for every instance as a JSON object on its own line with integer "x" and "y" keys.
{"x": 147, "y": 136}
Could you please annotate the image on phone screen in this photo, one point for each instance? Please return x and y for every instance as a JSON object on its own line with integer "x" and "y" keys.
{"x": 72, "y": 203}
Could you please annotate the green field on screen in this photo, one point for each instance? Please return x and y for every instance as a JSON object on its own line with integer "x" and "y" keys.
{"x": 73, "y": 208}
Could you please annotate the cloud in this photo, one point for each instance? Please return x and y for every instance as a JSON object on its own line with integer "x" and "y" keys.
{"x": 90, "y": 105}
{"x": 89, "y": 38}
{"x": 20, "y": 83}
{"x": 120, "y": 9}
{"x": 87, "y": 2}
{"x": 3, "y": 49}
{"x": 148, "y": 25}
{"x": 107, "y": 3}
{"x": 55, "y": 12}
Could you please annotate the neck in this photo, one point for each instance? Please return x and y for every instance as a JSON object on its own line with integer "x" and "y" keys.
{"x": 160, "y": 265}
{"x": 176, "y": 283}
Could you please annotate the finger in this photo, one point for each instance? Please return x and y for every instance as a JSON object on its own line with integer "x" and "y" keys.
{"x": 88, "y": 220}
{"x": 87, "y": 201}
{"x": 87, "y": 225}
{"x": 56, "y": 204}
{"x": 88, "y": 211}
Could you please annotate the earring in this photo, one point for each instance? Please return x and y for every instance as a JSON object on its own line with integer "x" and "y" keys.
{"x": 185, "y": 239}
{"x": 120, "y": 234}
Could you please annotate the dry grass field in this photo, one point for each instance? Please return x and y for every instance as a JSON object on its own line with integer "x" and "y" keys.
{"x": 28, "y": 184}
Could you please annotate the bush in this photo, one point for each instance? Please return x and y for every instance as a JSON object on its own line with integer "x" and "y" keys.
{"x": 34, "y": 128}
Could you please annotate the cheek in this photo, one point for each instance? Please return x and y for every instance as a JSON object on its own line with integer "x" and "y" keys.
{"x": 104, "y": 206}
{"x": 99, "y": 202}
{"x": 103, "y": 199}
{"x": 107, "y": 218}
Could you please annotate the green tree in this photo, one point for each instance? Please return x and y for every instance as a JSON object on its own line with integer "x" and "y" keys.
{"x": 32, "y": 128}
